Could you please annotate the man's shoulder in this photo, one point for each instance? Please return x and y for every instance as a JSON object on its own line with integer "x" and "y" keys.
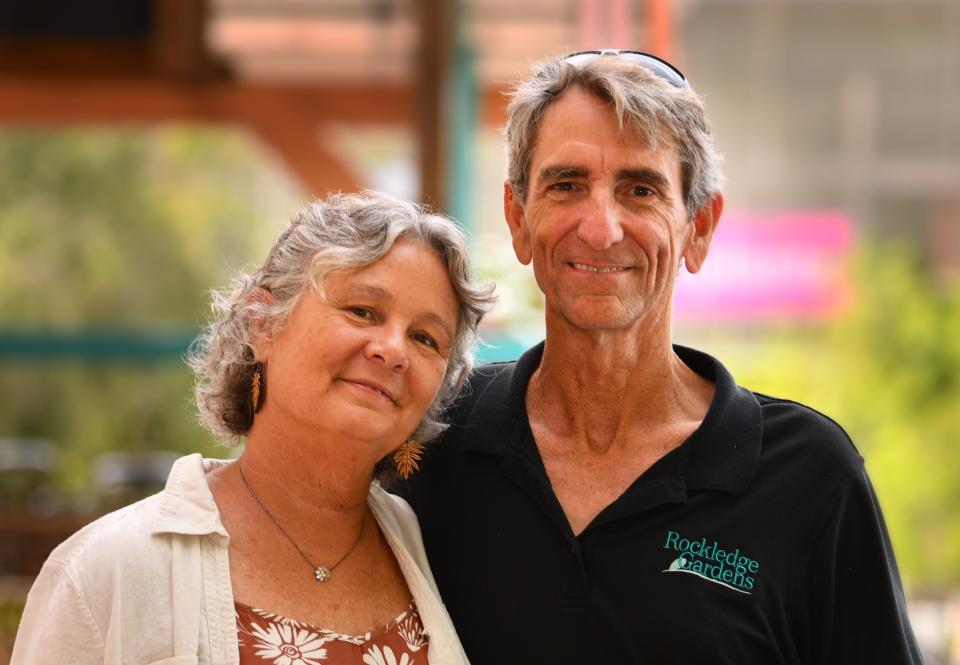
{"x": 480, "y": 412}
{"x": 806, "y": 438}
{"x": 485, "y": 375}
{"x": 487, "y": 382}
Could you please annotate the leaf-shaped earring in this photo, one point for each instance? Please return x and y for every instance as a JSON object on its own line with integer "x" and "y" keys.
{"x": 257, "y": 385}
{"x": 406, "y": 458}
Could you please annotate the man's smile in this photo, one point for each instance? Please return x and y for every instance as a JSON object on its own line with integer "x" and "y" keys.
{"x": 586, "y": 267}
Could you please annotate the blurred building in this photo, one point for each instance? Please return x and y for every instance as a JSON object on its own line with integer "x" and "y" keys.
{"x": 848, "y": 104}
{"x": 832, "y": 114}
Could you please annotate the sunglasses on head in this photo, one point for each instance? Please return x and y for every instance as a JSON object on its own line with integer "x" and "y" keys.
{"x": 651, "y": 63}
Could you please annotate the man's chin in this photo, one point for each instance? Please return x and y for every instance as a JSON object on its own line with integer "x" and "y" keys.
{"x": 597, "y": 313}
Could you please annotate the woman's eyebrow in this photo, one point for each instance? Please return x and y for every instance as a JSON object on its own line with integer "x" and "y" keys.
{"x": 377, "y": 293}
{"x": 369, "y": 291}
{"x": 436, "y": 319}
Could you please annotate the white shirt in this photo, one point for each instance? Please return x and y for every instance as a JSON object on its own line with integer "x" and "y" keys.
{"x": 150, "y": 583}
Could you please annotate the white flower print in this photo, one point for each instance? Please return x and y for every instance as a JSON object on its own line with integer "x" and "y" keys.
{"x": 375, "y": 657}
{"x": 350, "y": 639}
{"x": 276, "y": 618}
{"x": 412, "y": 633}
{"x": 288, "y": 645}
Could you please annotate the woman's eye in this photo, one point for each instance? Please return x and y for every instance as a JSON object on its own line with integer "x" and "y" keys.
{"x": 361, "y": 312}
{"x": 425, "y": 339}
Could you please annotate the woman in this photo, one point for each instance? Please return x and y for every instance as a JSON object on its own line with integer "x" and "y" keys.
{"x": 339, "y": 352}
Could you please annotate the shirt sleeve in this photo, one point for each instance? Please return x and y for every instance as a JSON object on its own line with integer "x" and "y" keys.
{"x": 854, "y": 610}
{"x": 57, "y": 625}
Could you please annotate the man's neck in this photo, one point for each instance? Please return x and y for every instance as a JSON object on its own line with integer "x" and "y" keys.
{"x": 600, "y": 389}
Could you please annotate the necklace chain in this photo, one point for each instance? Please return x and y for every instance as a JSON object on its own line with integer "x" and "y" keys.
{"x": 322, "y": 573}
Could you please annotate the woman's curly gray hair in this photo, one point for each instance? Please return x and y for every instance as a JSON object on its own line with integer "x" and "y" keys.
{"x": 344, "y": 231}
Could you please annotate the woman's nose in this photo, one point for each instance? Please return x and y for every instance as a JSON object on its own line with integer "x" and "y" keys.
{"x": 389, "y": 347}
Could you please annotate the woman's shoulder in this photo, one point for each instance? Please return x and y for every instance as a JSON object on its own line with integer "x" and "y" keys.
{"x": 120, "y": 537}
{"x": 392, "y": 508}
{"x": 131, "y": 539}
{"x": 398, "y": 522}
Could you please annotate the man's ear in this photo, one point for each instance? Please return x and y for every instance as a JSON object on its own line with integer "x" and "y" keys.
{"x": 704, "y": 224}
{"x": 517, "y": 221}
{"x": 261, "y": 324}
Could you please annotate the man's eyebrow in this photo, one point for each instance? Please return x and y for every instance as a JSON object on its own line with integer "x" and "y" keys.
{"x": 649, "y": 176}
{"x": 562, "y": 171}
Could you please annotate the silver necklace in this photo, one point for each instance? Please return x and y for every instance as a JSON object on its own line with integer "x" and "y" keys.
{"x": 322, "y": 573}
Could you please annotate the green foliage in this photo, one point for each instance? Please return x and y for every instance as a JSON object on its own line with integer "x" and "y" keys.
{"x": 121, "y": 230}
{"x": 129, "y": 230}
{"x": 889, "y": 372}
{"x": 10, "y": 612}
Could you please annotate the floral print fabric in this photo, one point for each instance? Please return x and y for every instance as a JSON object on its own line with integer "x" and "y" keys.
{"x": 266, "y": 637}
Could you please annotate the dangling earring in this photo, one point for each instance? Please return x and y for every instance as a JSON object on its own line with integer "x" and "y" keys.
{"x": 258, "y": 388}
{"x": 406, "y": 458}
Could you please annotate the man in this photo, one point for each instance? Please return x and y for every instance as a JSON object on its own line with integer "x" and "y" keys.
{"x": 610, "y": 497}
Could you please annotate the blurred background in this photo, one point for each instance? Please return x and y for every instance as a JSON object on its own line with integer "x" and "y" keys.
{"x": 151, "y": 148}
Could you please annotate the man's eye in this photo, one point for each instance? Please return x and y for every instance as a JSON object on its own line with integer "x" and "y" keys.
{"x": 563, "y": 186}
{"x": 640, "y": 190}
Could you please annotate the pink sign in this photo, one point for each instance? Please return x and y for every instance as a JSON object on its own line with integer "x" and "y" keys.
{"x": 763, "y": 268}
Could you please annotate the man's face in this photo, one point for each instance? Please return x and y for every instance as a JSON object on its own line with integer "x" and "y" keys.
{"x": 604, "y": 222}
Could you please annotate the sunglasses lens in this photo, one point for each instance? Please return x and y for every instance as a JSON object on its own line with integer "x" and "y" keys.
{"x": 650, "y": 63}
{"x": 581, "y": 59}
{"x": 661, "y": 69}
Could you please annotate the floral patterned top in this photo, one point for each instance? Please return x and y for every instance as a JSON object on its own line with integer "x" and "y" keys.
{"x": 266, "y": 637}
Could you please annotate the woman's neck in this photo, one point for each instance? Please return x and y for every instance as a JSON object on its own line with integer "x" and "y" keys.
{"x": 318, "y": 477}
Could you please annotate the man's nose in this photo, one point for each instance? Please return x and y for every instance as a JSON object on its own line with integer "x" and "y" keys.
{"x": 600, "y": 226}
{"x": 388, "y": 345}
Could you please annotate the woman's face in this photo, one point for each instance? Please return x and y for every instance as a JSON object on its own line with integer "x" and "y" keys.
{"x": 366, "y": 360}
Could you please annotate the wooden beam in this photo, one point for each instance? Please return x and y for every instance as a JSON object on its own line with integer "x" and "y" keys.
{"x": 42, "y": 101}
{"x": 179, "y": 40}
{"x": 73, "y": 58}
{"x": 294, "y": 133}
{"x": 290, "y": 119}
{"x": 435, "y": 28}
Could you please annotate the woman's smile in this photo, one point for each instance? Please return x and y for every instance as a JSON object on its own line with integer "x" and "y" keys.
{"x": 371, "y": 388}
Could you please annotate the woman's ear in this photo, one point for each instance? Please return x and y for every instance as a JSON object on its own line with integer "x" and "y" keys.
{"x": 704, "y": 224}
{"x": 260, "y": 300}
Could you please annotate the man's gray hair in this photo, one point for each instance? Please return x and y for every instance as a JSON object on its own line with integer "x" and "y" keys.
{"x": 656, "y": 110}
{"x": 343, "y": 232}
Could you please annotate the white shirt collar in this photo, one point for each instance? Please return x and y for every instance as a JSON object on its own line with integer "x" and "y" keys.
{"x": 186, "y": 503}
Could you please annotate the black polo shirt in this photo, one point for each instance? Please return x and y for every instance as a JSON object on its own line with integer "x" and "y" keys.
{"x": 758, "y": 540}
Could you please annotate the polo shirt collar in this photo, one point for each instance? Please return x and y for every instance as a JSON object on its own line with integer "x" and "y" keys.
{"x": 725, "y": 450}
{"x": 186, "y": 503}
{"x": 721, "y": 454}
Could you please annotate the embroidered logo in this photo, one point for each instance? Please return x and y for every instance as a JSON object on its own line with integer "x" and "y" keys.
{"x": 732, "y": 569}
